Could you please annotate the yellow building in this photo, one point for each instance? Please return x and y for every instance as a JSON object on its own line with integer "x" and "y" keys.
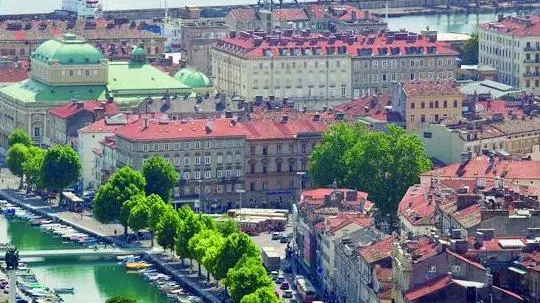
{"x": 424, "y": 102}
{"x": 512, "y": 46}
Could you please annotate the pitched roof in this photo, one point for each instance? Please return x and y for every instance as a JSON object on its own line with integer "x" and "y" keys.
{"x": 416, "y": 206}
{"x": 264, "y": 130}
{"x": 342, "y": 220}
{"x": 370, "y": 106}
{"x": 69, "y": 109}
{"x": 157, "y": 129}
{"x": 289, "y": 14}
{"x": 464, "y": 259}
{"x": 125, "y": 76}
{"x": 430, "y": 88}
{"x": 531, "y": 261}
{"x": 30, "y": 90}
{"x": 110, "y": 124}
{"x": 522, "y": 26}
{"x": 243, "y": 14}
{"x": 377, "y": 251}
{"x": 422, "y": 248}
{"x": 428, "y": 287}
{"x": 479, "y": 167}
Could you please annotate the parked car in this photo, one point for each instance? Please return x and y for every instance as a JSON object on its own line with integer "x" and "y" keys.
{"x": 284, "y": 238}
{"x": 288, "y": 294}
{"x": 279, "y": 279}
{"x": 274, "y": 274}
{"x": 275, "y": 236}
{"x": 284, "y": 285}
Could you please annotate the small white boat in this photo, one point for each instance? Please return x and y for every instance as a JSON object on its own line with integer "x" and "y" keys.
{"x": 64, "y": 290}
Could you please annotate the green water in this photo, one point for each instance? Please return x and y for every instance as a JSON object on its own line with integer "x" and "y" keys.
{"x": 94, "y": 280}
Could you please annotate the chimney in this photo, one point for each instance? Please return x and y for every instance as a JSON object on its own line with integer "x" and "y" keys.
{"x": 145, "y": 123}
{"x": 228, "y": 114}
{"x": 351, "y": 195}
{"x": 284, "y": 118}
{"x": 317, "y": 117}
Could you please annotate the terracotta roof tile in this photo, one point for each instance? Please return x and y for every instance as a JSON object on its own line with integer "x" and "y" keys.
{"x": 416, "y": 206}
{"x": 427, "y": 288}
{"x": 377, "y": 251}
{"x": 69, "y": 109}
{"x": 289, "y": 14}
{"x": 430, "y": 88}
{"x": 422, "y": 248}
{"x": 103, "y": 126}
{"x": 522, "y": 26}
{"x": 263, "y": 130}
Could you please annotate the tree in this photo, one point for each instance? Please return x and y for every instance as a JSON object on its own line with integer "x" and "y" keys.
{"x": 160, "y": 177}
{"x": 138, "y": 217}
{"x": 127, "y": 206}
{"x": 190, "y": 225}
{"x": 121, "y": 186}
{"x": 469, "y": 50}
{"x": 227, "y": 227}
{"x": 201, "y": 242}
{"x": 19, "y": 136}
{"x": 247, "y": 277}
{"x": 167, "y": 228}
{"x": 32, "y": 166}
{"x": 385, "y": 165}
{"x": 327, "y": 163}
{"x": 17, "y": 154}
{"x": 236, "y": 246}
{"x": 61, "y": 167}
{"x": 119, "y": 299}
{"x": 156, "y": 209}
{"x": 261, "y": 295}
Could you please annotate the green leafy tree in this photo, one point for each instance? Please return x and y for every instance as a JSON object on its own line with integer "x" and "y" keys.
{"x": 261, "y": 295}
{"x": 32, "y": 166}
{"x": 167, "y": 228}
{"x": 119, "y": 299}
{"x": 247, "y": 277}
{"x": 156, "y": 209}
{"x": 61, "y": 167}
{"x": 17, "y": 154}
{"x": 127, "y": 206}
{"x": 327, "y": 163}
{"x": 19, "y": 136}
{"x": 227, "y": 227}
{"x": 138, "y": 216}
{"x": 385, "y": 165}
{"x": 201, "y": 242}
{"x": 469, "y": 50}
{"x": 236, "y": 246}
{"x": 160, "y": 177}
{"x": 121, "y": 186}
{"x": 190, "y": 224}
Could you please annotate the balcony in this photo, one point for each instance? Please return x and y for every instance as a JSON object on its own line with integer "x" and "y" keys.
{"x": 531, "y": 61}
{"x": 531, "y": 74}
{"x": 531, "y": 48}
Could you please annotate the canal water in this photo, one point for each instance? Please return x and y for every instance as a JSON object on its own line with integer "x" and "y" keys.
{"x": 94, "y": 280}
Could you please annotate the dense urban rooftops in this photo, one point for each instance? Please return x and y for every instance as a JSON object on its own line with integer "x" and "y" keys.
{"x": 430, "y": 88}
{"x": 521, "y": 26}
{"x": 69, "y": 109}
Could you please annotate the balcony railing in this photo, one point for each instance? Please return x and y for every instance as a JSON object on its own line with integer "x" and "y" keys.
{"x": 531, "y": 48}
{"x": 531, "y": 61}
{"x": 532, "y": 74}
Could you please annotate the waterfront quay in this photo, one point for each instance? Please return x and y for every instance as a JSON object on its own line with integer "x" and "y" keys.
{"x": 164, "y": 261}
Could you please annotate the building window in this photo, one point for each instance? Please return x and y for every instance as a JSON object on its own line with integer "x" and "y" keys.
{"x": 166, "y": 146}
{"x": 252, "y": 150}
{"x": 186, "y": 160}
{"x": 291, "y": 167}
{"x": 187, "y": 175}
{"x": 207, "y": 174}
{"x": 219, "y": 159}
{"x": 71, "y": 73}
{"x": 145, "y": 147}
{"x": 219, "y": 173}
{"x": 455, "y": 103}
{"x": 422, "y": 118}
{"x": 229, "y": 158}
{"x": 220, "y": 189}
{"x": 238, "y": 158}
{"x": 37, "y": 132}
{"x": 304, "y": 148}
{"x": 252, "y": 186}
{"x": 278, "y": 149}
{"x": 206, "y": 144}
{"x": 436, "y": 104}
{"x": 186, "y": 145}
{"x": 422, "y": 105}
{"x": 156, "y": 146}
{"x": 343, "y": 91}
{"x": 227, "y": 173}
{"x": 177, "y": 146}
{"x": 430, "y": 104}
{"x": 206, "y": 159}
{"x": 278, "y": 167}
{"x": 197, "y": 175}
{"x": 197, "y": 145}
{"x": 265, "y": 150}
{"x": 412, "y": 105}
{"x": 445, "y": 104}
{"x": 197, "y": 160}
{"x": 238, "y": 172}
{"x": 186, "y": 190}
{"x": 177, "y": 161}
{"x": 252, "y": 167}
{"x": 265, "y": 168}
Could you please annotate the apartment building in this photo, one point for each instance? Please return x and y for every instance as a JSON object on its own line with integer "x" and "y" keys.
{"x": 378, "y": 60}
{"x": 325, "y": 69}
{"x": 512, "y": 46}
{"x": 277, "y": 159}
{"x": 424, "y": 102}
{"x": 208, "y": 155}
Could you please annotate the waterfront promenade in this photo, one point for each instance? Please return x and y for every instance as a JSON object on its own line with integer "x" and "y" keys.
{"x": 210, "y": 292}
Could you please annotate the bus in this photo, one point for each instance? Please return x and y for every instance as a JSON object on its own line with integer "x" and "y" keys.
{"x": 305, "y": 290}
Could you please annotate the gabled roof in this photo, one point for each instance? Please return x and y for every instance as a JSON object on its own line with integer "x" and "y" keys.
{"x": 377, "y": 251}
{"x": 289, "y": 14}
{"x": 427, "y": 288}
{"x": 343, "y": 220}
{"x": 430, "y": 88}
{"x": 416, "y": 206}
{"x": 69, "y": 109}
{"x": 264, "y": 130}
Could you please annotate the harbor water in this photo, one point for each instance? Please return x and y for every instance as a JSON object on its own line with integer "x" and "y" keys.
{"x": 456, "y": 23}
{"x": 93, "y": 280}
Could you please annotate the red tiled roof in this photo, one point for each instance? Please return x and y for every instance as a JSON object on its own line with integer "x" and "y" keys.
{"x": 490, "y": 107}
{"x": 370, "y": 106}
{"x": 531, "y": 261}
{"x": 508, "y": 293}
{"x": 427, "y": 288}
{"x": 102, "y": 126}
{"x": 377, "y": 251}
{"x": 416, "y": 207}
{"x": 69, "y": 109}
{"x": 342, "y": 12}
{"x": 343, "y": 220}
{"x": 243, "y": 14}
{"x": 170, "y": 130}
{"x": 430, "y": 88}
{"x": 264, "y": 130}
{"x": 422, "y": 248}
{"x": 289, "y": 14}
{"x": 479, "y": 168}
{"x": 493, "y": 245}
{"x": 522, "y": 26}
{"x": 464, "y": 259}
{"x": 245, "y": 46}
{"x": 16, "y": 72}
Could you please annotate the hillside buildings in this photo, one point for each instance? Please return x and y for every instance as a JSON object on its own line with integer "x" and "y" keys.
{"x": 512, "y": 46}
{"x": 325, "y": 69}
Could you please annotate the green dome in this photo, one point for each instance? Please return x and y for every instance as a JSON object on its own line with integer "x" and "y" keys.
{"x": 139, "y": 51}
{"x": 192, "y": 78}
{"x": 68, "y": 51}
